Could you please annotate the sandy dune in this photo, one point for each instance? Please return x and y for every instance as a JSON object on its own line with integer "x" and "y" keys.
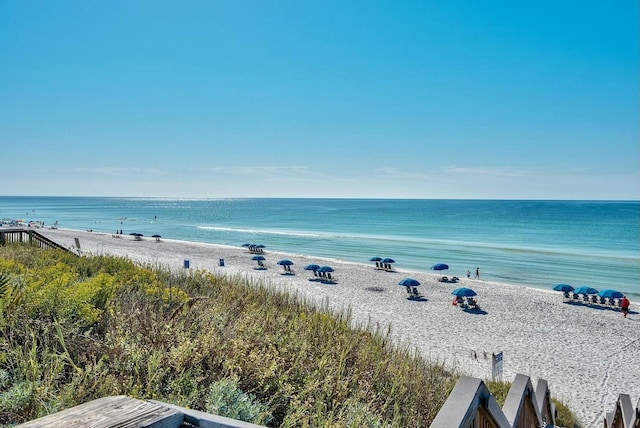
{"x": 587, "y": 355}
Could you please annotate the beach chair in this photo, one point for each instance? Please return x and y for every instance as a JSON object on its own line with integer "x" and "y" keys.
{"x": 472, "y": 302}
{"x": 602, "y": 301}
{"x": 594, "y": 299}
{"x": 415, "y": 292}
{"x": 585, "y": 298}
{"x": 567, "y": 296}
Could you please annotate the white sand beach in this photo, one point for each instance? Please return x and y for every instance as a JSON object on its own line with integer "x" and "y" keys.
{"x": 588, "y": 355}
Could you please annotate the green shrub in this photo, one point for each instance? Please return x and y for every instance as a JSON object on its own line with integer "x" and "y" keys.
{"x": 225, "y": 398}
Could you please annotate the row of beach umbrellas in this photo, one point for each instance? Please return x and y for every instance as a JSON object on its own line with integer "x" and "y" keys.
{"x": 317, "y": 268}
{"x": 138, "y": 235}
{"x": 608, "y": 293}
{"x": 436, "y": 267}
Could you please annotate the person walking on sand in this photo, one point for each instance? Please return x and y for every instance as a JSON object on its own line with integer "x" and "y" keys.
{"x": 624, "y": 306}
{"x": 477, "y": 273}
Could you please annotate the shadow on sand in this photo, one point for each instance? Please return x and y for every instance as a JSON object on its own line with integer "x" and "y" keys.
{"x": 475, "y": 311}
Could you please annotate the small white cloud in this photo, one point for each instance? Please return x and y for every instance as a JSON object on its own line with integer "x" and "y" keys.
{"x": 261, "y": 170}
{"x": 118, "y": 170}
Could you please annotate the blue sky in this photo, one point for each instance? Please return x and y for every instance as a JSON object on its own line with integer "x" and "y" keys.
{"x": 413, "y": 99}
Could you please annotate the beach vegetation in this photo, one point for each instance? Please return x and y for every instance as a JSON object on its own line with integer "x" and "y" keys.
{"x": 564, "y": 417}
{"x": 73, "y": 329}
{"x": 499, "y": 390}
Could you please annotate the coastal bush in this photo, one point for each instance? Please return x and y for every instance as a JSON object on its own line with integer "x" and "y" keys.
{"x": 225, "y": 398}
{"x": 87, "y": 327}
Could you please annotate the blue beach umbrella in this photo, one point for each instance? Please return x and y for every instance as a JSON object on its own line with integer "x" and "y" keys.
{"x": 463, "y": 292}
{"x": 563, "y": 287}
{"x": 388, "y": 260}
{"x": 409, "y": 282}
{"x": 440, "y": 266}
{"x": 258, "y": 258}
{"x": 312, "y": 267}
{"x": 246, "y": 245}
{"x": 284, "y": 262}
{"x": 585, "y": 290}
{"x": 325, "y": 269}
{"x": 375, "y": 259}
{"x": 611, "y": 294}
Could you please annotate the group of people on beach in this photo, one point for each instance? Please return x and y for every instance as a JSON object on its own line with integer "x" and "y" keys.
{"x": 477, "y": 273}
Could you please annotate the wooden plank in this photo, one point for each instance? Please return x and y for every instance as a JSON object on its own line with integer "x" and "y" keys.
{"x": 111, "y": 412}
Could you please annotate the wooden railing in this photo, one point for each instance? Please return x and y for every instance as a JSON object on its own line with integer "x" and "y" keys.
{"x": 624, "y": 415}
{"x": 28, "y": 236}
{"x": 470, "y": 404}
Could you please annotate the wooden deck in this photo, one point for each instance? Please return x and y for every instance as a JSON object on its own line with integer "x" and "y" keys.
{"x": 121, "y": 411}
{"x": 109, "y": 412}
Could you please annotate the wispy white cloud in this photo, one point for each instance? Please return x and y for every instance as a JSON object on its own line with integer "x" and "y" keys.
{"x": 508, "y": 171}
{"x": 118, "y": 170}
{"x": 502, "y": 171}
{"x": 498, "y": 172}
{"x": 261, "y": 170}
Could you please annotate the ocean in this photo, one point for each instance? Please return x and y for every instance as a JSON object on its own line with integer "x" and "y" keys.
{"x": 529, "y": 243}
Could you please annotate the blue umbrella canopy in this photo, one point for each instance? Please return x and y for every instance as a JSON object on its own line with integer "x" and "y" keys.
{"x": 463, "y": 292}
{"x": 312, "y": 267}
{"x": 563, "y": 287}
{"x": 388, "y": 260}
{"x": 325, "y": 269}
{"x": 375, "y": 259}
{"x": 285, "y": 262}
{"x": 611, "y": 294}
{"x": 258, "y": 257}
{"x": 246, "y": 245}
{"x": 440, "y": 266}
{"x": 585, "y": 290}
{"x": 409, "y": 282}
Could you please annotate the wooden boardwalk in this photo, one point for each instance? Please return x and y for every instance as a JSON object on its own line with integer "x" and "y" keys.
{"x": 11, "y": 235}
{"x": 125, "y": 412}
{"x": 108, "y": 412}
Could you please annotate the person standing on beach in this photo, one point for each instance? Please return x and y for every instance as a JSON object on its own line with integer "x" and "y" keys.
{"x": 624, "y": 306}
{"x": 477, "y": 273}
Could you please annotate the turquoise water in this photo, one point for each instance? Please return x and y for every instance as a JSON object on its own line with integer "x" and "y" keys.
{"x": 533, "y": 243}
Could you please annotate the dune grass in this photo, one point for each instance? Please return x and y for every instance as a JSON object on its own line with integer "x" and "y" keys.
{"x": 74, "y": 329}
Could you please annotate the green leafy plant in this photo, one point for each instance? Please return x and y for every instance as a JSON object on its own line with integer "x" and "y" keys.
{"x": 225, "y": 398}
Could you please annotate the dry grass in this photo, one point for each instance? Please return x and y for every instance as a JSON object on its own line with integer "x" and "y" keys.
{"x": 151, "y": 334}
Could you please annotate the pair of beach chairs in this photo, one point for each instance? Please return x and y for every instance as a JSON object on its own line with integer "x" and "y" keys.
{"x": 384, "y": 266}
{"x": 414, "y": 293}
{"x": 469, "y": 302}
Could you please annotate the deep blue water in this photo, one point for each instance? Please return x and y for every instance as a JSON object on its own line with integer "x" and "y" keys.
{"x": 533, "y": 243}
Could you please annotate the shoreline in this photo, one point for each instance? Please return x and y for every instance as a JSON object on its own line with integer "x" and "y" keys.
{"x": 586, "y": 354}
